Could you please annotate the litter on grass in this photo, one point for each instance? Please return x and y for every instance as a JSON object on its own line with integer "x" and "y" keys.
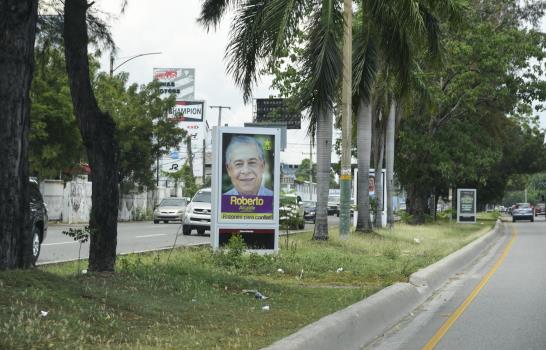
{"x": 340, "y": 269}
{"x": 417, "y": 240}
{"x": 266, "y": 308}
{"x": 43, "y": 313}
{"x": 280, "y": 270}
{"x": 256, "y": 294}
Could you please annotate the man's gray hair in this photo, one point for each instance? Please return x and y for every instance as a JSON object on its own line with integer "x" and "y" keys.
{"x": 243, "y": 140}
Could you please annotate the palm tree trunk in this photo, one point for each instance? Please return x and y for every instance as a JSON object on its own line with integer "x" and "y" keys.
{"x": 389, "y": 157}
{"x": 18, "y": 23}
{"x": 364, "y": 144}
{"x": 98, "y": 133}
{"x": 324, "y": 159}
{"x": 379, "y": 179}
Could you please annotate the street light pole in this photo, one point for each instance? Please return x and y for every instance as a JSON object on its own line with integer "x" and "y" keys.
{"x": 220, "y": 113}
{"x": 112, "y": 69}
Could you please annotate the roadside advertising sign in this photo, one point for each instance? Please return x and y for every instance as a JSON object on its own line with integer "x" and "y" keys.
{"x": 178, "y": 81}
{"x": 271, "y": 110}
{"x": 245, "y": 186}
{"x": 189, "y": 116}
{"x": 372, "y": 191}
{"x": 466, "y": 205}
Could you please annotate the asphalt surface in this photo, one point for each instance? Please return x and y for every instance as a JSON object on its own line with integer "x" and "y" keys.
{"x": 132, "y": 237}
{"x": 508, "y": 312}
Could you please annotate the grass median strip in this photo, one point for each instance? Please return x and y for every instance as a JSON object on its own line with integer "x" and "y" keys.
{"x": 195, "y": 299}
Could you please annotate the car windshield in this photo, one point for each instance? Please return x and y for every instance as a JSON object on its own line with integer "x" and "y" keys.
{"x": 172, "y": 202}
{"x": 333, "y": 199}
{"x": 309, "y": 204}
{"x": 203, "y": 197}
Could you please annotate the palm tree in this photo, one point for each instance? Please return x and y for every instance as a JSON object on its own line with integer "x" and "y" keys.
{"x": 393, "y": 32}
{"x": 260, "y": 32}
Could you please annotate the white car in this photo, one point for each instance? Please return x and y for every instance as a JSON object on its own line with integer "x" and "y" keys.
{"x": 198, "y": 212}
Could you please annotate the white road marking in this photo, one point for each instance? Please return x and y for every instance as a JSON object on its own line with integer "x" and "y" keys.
{"x": 60, "y": 243}
{"x": 154, "y": 235}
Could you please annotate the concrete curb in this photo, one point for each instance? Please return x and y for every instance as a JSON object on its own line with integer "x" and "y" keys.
{"x": 361, "y": 323}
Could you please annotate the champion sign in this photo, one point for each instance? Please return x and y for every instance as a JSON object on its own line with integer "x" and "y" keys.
{"x": 187, "y": 111}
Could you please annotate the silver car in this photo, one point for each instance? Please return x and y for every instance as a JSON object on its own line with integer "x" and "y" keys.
{"x": 170, "y": 209}
{"x": 523, "y": 211}
{"x": 197, "y": 215}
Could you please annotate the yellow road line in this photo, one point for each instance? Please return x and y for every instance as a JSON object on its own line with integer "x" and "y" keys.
{"x": 451, "y": 320}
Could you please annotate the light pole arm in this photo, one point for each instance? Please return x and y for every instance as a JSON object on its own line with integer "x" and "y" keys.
{"x": 112, "y": 70}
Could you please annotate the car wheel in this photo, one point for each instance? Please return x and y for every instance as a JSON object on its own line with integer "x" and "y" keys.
{"x": 156, "y": 221}
{"x": 301, "y": 225}
{"x": 166, "y": 221}
{"x": 532, "y": 219}
{"x": 35, "y": 244}
{"x": 513, "y": 219}
{"x": 201, "y": 231}
{"x": 186, "y": 230}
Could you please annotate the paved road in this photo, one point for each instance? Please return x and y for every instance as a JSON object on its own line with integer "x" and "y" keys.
{"x": 508, "y": 312}
{"x": 132, "y": 237}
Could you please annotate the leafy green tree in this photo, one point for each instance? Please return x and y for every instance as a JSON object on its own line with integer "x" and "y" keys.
{"x": 479, "y": 128}
{"x": 55, "y": 141}
{"x": 304, "y": 171}
{"x": 144, "y": 132}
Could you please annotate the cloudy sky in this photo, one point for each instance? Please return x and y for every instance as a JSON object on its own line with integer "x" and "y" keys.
{"x": 170, "y": 27}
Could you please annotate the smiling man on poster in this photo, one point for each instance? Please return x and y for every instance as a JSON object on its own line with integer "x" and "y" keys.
{"x": 245, "y": 165}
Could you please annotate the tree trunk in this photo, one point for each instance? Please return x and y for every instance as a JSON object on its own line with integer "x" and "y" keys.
{"x": 98, "y": 132}
{"x": 378, "y": 153}
{"x": 364, "y": 144}
{"x": 389, "y": 157}
{"x": 417, "y": 206}
{"x": 379, "y": 180}
{"x": 17, "y": 34}
{"x": 324, "y": 158}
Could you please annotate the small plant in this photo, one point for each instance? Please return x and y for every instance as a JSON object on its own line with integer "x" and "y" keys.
{"x": 232, "y": 253}
{"x": 81, "y": 235}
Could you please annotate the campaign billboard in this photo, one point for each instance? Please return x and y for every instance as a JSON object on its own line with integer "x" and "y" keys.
{"x": 245, "y": 186}
{"x": 178, "y": 81}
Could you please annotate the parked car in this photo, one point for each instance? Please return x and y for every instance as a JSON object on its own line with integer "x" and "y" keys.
{"x": 522, "y": 211}
{"x": 333, "y": 205}
{"x": 170, "y": 209}
{"x": 38, "y": 219}
{"x": 539, "y": 209}
{"x": 309, "y": 210}
{"x": 198, "y": 212}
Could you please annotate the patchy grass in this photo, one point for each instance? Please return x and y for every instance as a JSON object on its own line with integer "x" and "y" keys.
{"x": 194, "y": 299}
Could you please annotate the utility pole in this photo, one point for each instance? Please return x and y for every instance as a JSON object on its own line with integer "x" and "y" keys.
{"x": 220, "y": 112}
{"x": 346, "y": 123}
{"x": 190, "y": 154}
{"x": 204, "y": 159}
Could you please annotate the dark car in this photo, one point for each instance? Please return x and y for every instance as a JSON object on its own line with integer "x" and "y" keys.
{"x": 309, "y": 210}
{"x": 539, "y": 209}
{"x": 38, "y": 219}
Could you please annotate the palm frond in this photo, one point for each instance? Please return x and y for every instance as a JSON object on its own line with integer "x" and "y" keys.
{"x": 322, "y": 60}
{"x": 212, "y": 12}
{"x": 364, "y": 63}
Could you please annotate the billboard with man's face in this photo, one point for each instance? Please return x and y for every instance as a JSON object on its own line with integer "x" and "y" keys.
{"x": 247, "y": 177}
